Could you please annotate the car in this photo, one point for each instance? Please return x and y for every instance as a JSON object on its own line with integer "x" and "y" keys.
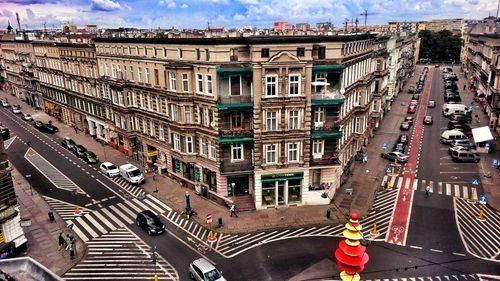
{"x": 46, "y": 128}
{"x": 16, "y": 109}
{"x": 431, "y": 104}
{"x": 403, "y": 138}
{"x": 463, "y": 143}
{"x": 202, "y": 270}
{"x": 460, "y": 148}
{"x": 405, "y": 126}
{"x": 428, "y": 120}
{"x": 5, "y": 133}
{"x": 466, "y": 133}
{"x": 436, "y": 66}
{"x": 150, "y": 222}
{"x": 395, "y": 155}
{"x": 68, "y": 143}
{"x": 109, "y": 169}
{"x": 411, "y": 109}
{"x": 400, "y": 147}
{"x": 5, "y": 103}
{"x": 416, "y": 96}
{"x": 455, "y": 98}
{"x": 414, "y": 102}
{"x": 79, "y": 150}
{"x": 461, "y": 117}
{"x": 27, "y": 117}
{"x": 409, "y": 119}
{"x": 461, "y": 126}
{"x": 90, "y": 157}
{"x": 465, "y": 156}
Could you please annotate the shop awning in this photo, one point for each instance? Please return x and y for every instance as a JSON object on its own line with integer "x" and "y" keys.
{"x": 481, "y": 134}
{"x": 224, "y": 73}
{"x": 337, "y": 68}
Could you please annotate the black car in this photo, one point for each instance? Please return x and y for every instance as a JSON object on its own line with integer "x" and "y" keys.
{"x": 465, "y": 118}
{"x": 46, "y": 128}
{"x": 403, "y": 138}
{"x": 455, "y": 98}
{"x": 5, "y": 133}
{"x": 416, "y": 96}
{"x": 79, "y": 150}
{"x": 460, "y": 126}
{"x": 400, "y": 147}
{"x": 150, "y": 222}
{"x": 68, "y": 143}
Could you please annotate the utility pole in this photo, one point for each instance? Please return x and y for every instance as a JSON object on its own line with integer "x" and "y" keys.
{"x": 345, "y": 25}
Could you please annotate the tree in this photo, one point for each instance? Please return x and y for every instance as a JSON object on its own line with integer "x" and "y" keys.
{"x": 439, "y": 46}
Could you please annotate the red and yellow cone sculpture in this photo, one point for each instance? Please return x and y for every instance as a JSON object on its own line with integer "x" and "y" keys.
{"x": 351, "y": 255}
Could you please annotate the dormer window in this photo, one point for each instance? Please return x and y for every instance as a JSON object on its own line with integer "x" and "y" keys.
{"x": 264, "y": 53}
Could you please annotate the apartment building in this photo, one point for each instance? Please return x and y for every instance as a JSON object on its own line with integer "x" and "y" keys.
{"x": 483, "y": 67}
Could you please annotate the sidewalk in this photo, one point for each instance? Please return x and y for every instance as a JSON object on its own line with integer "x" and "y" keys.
{"x": 364, "y": 182}
{"x": 42, "y": 234}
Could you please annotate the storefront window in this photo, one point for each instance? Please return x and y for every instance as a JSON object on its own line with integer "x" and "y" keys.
{"x": 268, "y": 193}
{"x": 294, "y": 194}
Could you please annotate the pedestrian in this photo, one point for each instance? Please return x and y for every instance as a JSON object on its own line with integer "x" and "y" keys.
{"x": 465, "y": 86}
{"x": 72, "y": 251}
{"x": 76, "y": 129}
{"x": 427, "y": 190}
{"x": 233, "y": 210}
{"x": 365, "y": 159}
{"x": 62, "y": 242}
{"x": 477, "y": 118}
{"x": 145, "y": 168}
{"x": 154, "y": 175}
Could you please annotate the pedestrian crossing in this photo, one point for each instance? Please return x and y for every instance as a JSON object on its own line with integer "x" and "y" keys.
{"x": 56, "y": 177}
{"x": 120, "y": 255}
{"x": 135, "y": 190}
{"x": 480, "y": 237}
{"x": 449, "y": 189}
{"x": 99, "y": 222}
{"x": 64, "y": 209}
{"x": 230, "y": 245}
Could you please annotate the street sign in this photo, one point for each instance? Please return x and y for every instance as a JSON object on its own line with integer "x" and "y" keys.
{"x": 348, "y": 191}
{"x": 495, "y": 162}
{"x": 384, "y": 145}
{"x": 209, "y": 218}
{"x": 476, "y": 181}
{"x": 482, "y": 199}
{"x": 388, "y": 170}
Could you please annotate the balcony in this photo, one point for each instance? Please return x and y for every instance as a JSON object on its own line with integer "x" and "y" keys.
{"x": 228, "y": 167}
{"x": 326, "y": 132}
{"x": 328, "y": 97}
{"x": 236, "y": 136}
{"x": 325, "y": 160}
{"x": 230, "y": 104}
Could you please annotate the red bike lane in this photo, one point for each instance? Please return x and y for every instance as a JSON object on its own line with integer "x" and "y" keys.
{"x": 398, "y": 228}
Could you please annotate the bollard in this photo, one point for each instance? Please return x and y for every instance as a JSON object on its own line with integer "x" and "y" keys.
{"x": 328, "y": 214}
{"x": 51, "y": 216}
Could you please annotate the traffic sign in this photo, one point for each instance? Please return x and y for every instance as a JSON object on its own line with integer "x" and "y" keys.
{"x": 348, "y": 191}
{"x": 476, "y": 181}
{"x": 384, "y": 145}
{"x": 482, "y": 199}
{"x": 495, "y": 162}
{"x": 388, "y": 170}
{"x": 209, "y": 218}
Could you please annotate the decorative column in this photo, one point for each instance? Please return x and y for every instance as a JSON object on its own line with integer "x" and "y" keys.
{"x": 351, "y": 255}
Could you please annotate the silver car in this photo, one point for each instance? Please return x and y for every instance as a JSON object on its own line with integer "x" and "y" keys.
{"x": 395, "y": 155}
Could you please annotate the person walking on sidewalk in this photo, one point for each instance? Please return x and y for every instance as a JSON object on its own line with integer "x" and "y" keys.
{"x": 233, "y": 210}
{"x": 365, "y": 159}
{"x": 427, "y": 190}
{"x": 62, "y": 241}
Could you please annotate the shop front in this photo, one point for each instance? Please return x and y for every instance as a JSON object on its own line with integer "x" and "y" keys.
{"x": 281, "y": 189}
{"x": 52, "y": 109}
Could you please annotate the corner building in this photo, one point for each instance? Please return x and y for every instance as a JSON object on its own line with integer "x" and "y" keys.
{"x": 262, "y": 121}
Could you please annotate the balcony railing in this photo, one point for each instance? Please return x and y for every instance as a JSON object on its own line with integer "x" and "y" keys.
{"x": 234, "y": 104}
{"x": 326, "y": 132}
{"x": 325, "y": 160}
{"x": 328, "y": 97}
{"x": 236, "y": 133}
{"x": 227, "y": 167}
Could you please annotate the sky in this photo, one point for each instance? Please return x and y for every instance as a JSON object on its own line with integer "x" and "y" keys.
{"x": 231, "y": 13}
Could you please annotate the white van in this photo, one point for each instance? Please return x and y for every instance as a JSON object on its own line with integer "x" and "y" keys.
{"x": 451, "y": 135}
{"x": 131, "y": 174}
{"x": 449, "y": 109}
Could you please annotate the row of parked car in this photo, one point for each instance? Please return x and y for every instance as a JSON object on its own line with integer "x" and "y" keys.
{"x": 451, "y": 93}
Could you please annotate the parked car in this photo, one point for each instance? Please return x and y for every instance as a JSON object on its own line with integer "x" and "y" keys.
{"x": 27, "y": 117}
{"x": 463, "y": 143}
{"x": 431, "y": 104}
{"x": 465, "y": 118}
{"x": 414, "y": 102}
{"x": 403, "y": 138}
{"x": 400, "y": 147}
{"x": 411, "y": 109}
{"x": 465, "y": 156}
{"x": 409, "y": 119}
{"x": 428, "y": 120}
{"x": 405, "y": 126}
{"x": 45, "y": 128}
{"x": 202, "y": 270}
{"x": 150, "y": 222}
{"x": 5, "y": 103}
{"x": 16, "y": 109}
{"x": 68, "y": 143}
{"x": 395, "y": 155}
{"x": 109, "y": 169}
{"x": 466, "y": 133}
{"x": 460, "y": 126}
{"x": 5, "y": 133}
{"x": 416, "y": 96}
{"x": 455, "y": 98}
{"x": 90, "y": 157}
{"x": 460, "y": 148}
{"x": 79, "y": 150}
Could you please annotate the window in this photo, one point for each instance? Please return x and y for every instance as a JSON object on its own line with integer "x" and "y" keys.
{"x": 201, "y": 115}
{"x": 235, "y": 85}
{"x": 271, "y": 153}
{"x": 293, "y": 120}
{"x": 148, "y": 79}
{"x": 208, "y": 81}
{"x": 131, "y": 73}
{"x": 264, "y": 53}
{"x": 179, "y": 51}
{"x": 233, "y": 55}
{"x": 199, "y": 83}
{"x": 173, "y": 86}
{"x": 198, "y": 54}
{"x": 301, "y": 52}
{"x": 164, "y": 52}
{"x": 294, "y": 85}
{"x": 207, "y": 55}
{"x": 271, "y": 121}
{"x": 318, "y": 148}
{"x": 319, "y": 116}
{"x": 211, "y": 149}
{"x": 203, "y": 147}
{"x": 139, "y": 74}
{"x": 271, "y": 85}
{"x": 236, "y": 121}
{"x": 157, "y": 78}
{"x": 237, "y": 152}
{"x": 177, "y": 142}
{"x": 321, "y": 52}
{"x": 185, "y": 82}
{"x": 293, "y": 152}
{"x": 174, "y": 112}
{"x": 187, "y": 114}
{"x": 189, "y": 144}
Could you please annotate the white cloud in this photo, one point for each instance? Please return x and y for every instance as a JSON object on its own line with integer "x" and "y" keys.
{"x": 184, "y": 6}
{"x": 169, "y": 3}
{"x": 239, "y": 17}
{"x": 104, "y": 5}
